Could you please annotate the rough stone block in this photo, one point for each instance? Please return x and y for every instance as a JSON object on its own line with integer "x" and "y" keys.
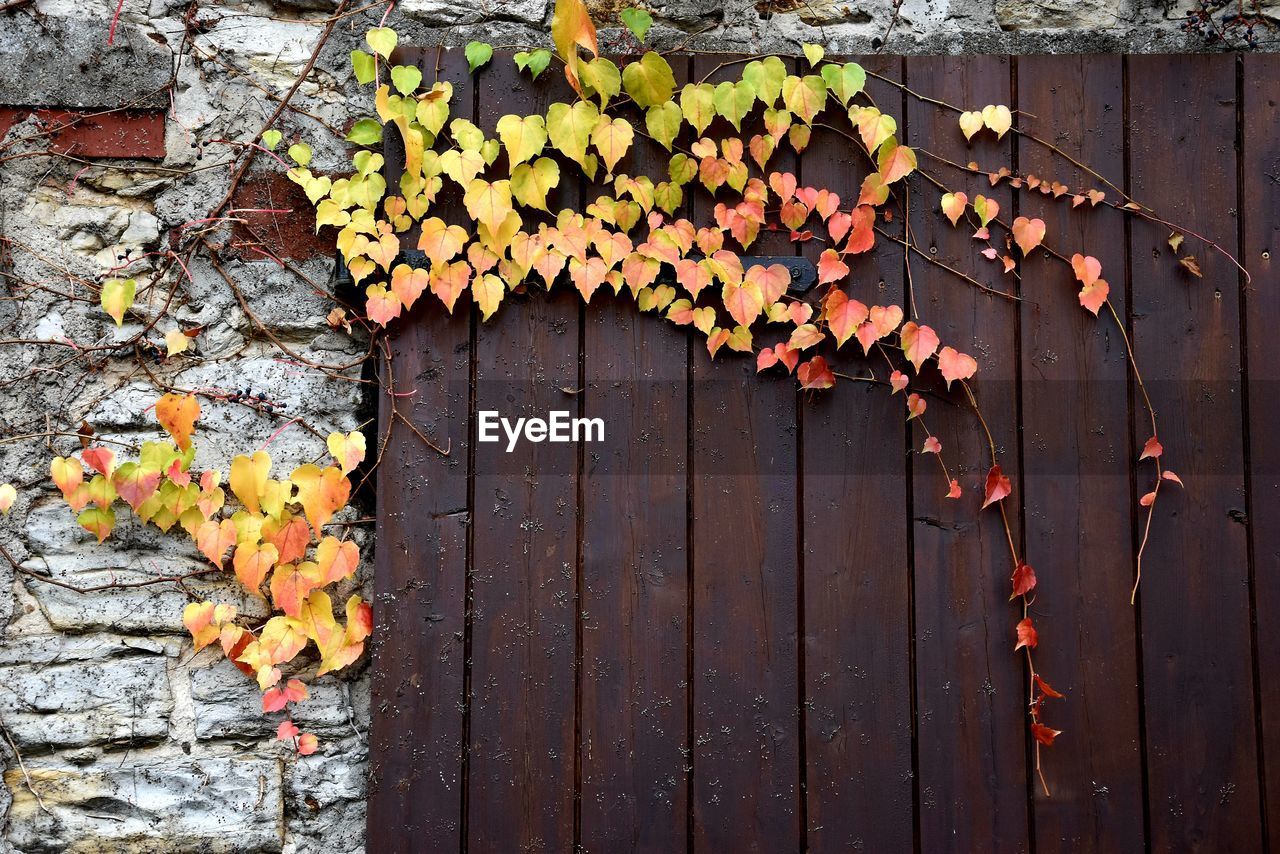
{"x": 229, "y": 704}
{"x": 112, "y": 693}
{"x": 149, "y": 804}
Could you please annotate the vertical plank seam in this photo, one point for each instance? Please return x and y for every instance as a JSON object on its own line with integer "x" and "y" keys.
{"x": 578, "y": 574}
{"x": 1134, "y": 519}
{"x": 1029, "y": 748}
{"x": 1241, "y": 225}
{"x": 907, "y": 297}
{"x": 690, "y": 737}
{"x": 802, "y": 720}
{"x": 468, "y": 575}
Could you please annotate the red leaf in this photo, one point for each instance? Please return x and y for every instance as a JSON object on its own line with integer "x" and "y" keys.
{"x": 1044, "y": 734}
{"x": 1168, "y": 475}
{"x": 99, "y": 459}
{"x": 1148, "y": 499}
{"x": 308, "y": 744}
{"x": 916, "y": 405}
{"x": 286, "y": 730}
{"x": 830, "y": 267}
{"x": 1024, "y": 579}
{"x": 955, "y": 489}
{"x": 1152, "y": 449}
{"x": 998, "y": 487}
{"x": 766, "y": 359}
{"x": 814, "y": 374}
{"x": 898, "y": 380}
{"x": 1027, "y": 635}
{"x": 932, "y": 446}
{"x": 1047, "y": 689}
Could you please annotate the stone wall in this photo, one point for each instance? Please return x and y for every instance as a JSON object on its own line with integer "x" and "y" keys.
{"x": 127, "y": 739}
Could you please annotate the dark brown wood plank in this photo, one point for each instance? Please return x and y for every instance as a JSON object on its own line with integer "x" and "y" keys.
{"x": 416, "y": 741}
{"x": 1261, "y": 221}
{"x": 1197, "y": 660}
{"x": 1075, "y": 418}
{"x": 970, "y": 684}
{"x": 857, "y": 644}
{"x": 745, "y": 691}
{"x": 635, "y": 595}
{"x": 524, "y": 565}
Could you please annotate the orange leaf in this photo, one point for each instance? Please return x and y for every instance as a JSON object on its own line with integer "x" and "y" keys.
{"x": 213, "y": 538}
{"x": 1028, "y": 233}
{"x": 336, "y": 559}
{"x": 252, "y": 563}
{"x": 830, "y": 267}
{"x": 177, "y": 414}
{"x": 842, "y": 314}
{"x": 918, "y": 342}
{"x": 307, "y": 744}
{"x": 955, "y": 365}
{"x": 320, "y": 492}
{"x": 1152, "y": 449}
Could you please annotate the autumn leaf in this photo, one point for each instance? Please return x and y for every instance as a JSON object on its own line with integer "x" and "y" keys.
{"x": 523, "y": 137}
{"x": 336, "y": 559}
{"x": 198, "y": 618}
{"x": 998, "y": 118}
{"x": 970, "y": 123}
{"x": 253, "y": 562}
{"x": 275, "y": 699}
{"x": 916, "y": 406}
{"x": 649, "y": 80}
{"x": 931, "y": 446}
{"x": 1027, "y": 635}
{"x": 843, "y": 315}
{"x": 895, "y": 161}
{"x": 955, "y": 365}
{"x": 1043, "y": 734}
{"x": 1094, "y": 290}
{"x": 117, "y": 297}
{"x": 321, "y": 492}
{"x": 307, "y": 744}
{"x": 249, "y": 479}
{"x": 1152, "y": 449}
{"x": 1023, "y": 579}
{"x": 287, "y": 731}
{"x": 815, "y": 375}
{"x": 213, "y": 538}
{"x": 98, "y": 521}
{"x": 348, "y": 450}
{"x": 571, "y": 28}
{"x": 1047, "y": 689}
{"x": 1028, "y": 233}
{"x": 918, "y": 342}
{"x": 177, "y": 413}
{"x": 830, "y": 267}
{"x": 953, "y": 205}
{"x": 998, "y": 487}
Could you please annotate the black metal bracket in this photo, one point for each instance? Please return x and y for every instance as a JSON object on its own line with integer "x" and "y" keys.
{"x": 803, "y": 274}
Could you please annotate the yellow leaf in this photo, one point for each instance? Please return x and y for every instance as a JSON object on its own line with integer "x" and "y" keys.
{"x": 663, "y": 123}
{"x": 175, "y": 342}
{"x": 530, "y": 182}
{"x": 970, "y": 123}
{"x": 8, "y": 495}
{"x": 523, "y": 138}
{"x": 612, "y": 138}
{"x": 488, "y": 292}
{"x": 249, "y": 479}
{"x": 874, "y": 126}
{"x": 336, "y": 559}
{"x": 348, "y": 450}
{"x": 569, "y": 128}
{"x": 998, "y": 118}
{"x": 571, "y": 28}
{"x": 488, "y": 204}
{"x": 117, "y": 296}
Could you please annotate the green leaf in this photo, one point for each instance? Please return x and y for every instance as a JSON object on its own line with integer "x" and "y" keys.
{"x": 844, "y": 81}
{"x": 638, "y": 21}
{"x": 300, "y": 153}
{"x": 382, "y": 40}
{"x": 534, "y": 62}
{"x": 478, "y": 54}
{"x": 766, "y": 76}
{"x": 271, "y": 138}
{"x": 663, "y": 123}
{"x": 364, "y": 65}
{"x": 601, "y": 78}
{"x": 530, "y": 183}
{"x": 804, "y": 96}
{"x": 116, "y": 297}
{"x": 365, "y": 132}
{"x": 649, "y": 81}
{"x": 406, "y": 79}
{"x": 814, "y": 53}
{"x": 734, "y": 100}
{"x": 697, "y": 100}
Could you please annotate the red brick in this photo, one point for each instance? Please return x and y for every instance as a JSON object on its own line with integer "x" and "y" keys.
{"x": 286, "y": 235}
{"x": 131, "y": 134}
